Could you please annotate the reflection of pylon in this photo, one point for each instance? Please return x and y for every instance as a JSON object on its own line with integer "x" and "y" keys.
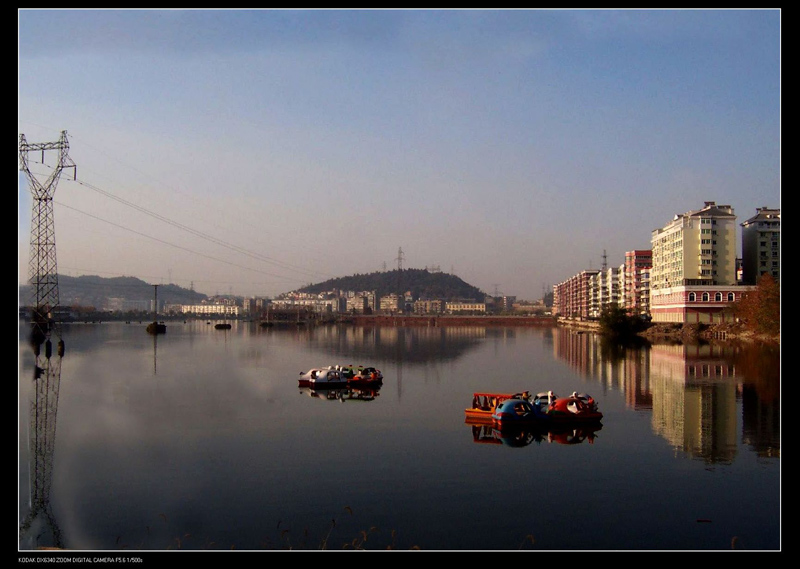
{"x": 43, "y": 411}
{"x": 43, "y": 271}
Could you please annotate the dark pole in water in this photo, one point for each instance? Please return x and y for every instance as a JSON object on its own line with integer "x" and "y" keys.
{"x": 155, "y": 327}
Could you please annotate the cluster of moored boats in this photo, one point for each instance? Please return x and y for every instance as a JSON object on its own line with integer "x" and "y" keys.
{"x": 499, "y": 409}
{"x": 526, "y": 409}
{"x": 337, "y": 376}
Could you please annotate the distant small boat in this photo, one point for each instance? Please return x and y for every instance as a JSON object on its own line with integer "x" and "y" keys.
{"x": 156, "y": 328}
{"x": 333, "y": 377}
{"x": 329, "y": 378}
{"x": 224, "y": 326}
{"x": 341, "y": 394}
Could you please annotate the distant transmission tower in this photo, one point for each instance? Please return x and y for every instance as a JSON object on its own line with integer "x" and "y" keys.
{"x": 400, "y": 259}
{"x": 43, "y": 271}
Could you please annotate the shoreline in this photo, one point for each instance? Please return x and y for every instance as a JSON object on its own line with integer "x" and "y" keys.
{"x": 440, "y": 320}
{"x": 706, "y": 332}
{"x": 655, "y": 330}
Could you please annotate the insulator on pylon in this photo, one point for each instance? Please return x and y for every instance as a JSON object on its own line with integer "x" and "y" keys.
{"x": 48, "y": 349}
{"x": 61, "y": 348}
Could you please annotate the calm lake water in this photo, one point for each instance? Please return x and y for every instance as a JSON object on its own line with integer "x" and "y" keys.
{"x": 201, "y": 439}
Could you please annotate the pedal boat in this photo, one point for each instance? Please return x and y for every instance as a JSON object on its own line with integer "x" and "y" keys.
{"x": 484, "y": 405}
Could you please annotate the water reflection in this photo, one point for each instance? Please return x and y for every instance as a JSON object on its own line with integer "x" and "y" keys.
{"x": 398, "y": 344}
{"x": 524, "y": 436}
{"x": 694, "y": 392}
{"x": 39, "y": 526}
{"x": 341, "y": 395}
{"x": 223, "y": 446}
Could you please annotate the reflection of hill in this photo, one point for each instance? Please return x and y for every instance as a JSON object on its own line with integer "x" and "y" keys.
{"x": 397, "y": 344}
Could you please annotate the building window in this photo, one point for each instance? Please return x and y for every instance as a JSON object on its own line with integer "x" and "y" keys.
{"x": 718, "y": 297}
{"x": 705, "y": 297}
{"x": 731, "y": 297}
{"x": 692, "y": 297}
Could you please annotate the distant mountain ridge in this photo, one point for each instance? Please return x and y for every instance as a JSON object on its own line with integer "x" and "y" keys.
{"x": 89, "y": 290}
{"x": 420, "y": 282}
{"x": 95, "y": 291}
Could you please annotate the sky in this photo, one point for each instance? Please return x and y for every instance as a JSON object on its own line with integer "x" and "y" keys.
{"x": 252, "y": 152}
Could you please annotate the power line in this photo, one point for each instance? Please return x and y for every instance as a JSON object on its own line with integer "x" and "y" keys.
{"x": 200, "y": 234}
{"x": 176, "y": 246}
{"x": 195, "y": 232}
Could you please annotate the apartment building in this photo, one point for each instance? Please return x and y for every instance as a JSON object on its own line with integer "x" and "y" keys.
{"x": 429, "y": 306}
{"x": 319, "y": 305}
{"x": 761, "y": 245}
{"x": 606, "y": 291}
{"x": 695, "y": 248}
{"x": 391, "y": 303}
{"x": 206, "y": 309}
{"x": 462, "y": 307}
{"x": 693, "y": 277}
{"x": 636, "y": 286}
{"x": 577, "y": 296}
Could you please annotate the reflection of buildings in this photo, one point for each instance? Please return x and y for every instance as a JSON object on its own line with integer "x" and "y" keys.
{"x": 693, "y": 391}
{"x": 586, "y": 354}
{"x": 694, "y": 400}
{"x": 40, "y": 520}
{"x": 399, "y": 344}
{"x": 761, "y": 423}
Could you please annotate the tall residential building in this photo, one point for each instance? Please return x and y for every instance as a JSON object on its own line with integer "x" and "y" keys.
{"x": 636, "y": 294}
{"x": 693, "y": 279}
{"x": 605, "y": 291}
{"x": 695, "y": 248}
{"x": 761, "y": 245}
{"x": 575, "y": 297}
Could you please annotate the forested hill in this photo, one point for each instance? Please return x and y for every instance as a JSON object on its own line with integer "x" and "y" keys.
{"x": 89, "y": 290}
{"x": 420, "y": 282}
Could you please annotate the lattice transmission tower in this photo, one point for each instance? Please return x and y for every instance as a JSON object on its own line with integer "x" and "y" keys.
{"x": 42, "y": 267}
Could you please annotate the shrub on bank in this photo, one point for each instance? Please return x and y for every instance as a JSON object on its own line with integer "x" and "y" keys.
{"x": 615, "y": 321}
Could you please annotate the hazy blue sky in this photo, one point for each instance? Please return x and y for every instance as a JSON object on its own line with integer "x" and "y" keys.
{"x": 253, "y": 152}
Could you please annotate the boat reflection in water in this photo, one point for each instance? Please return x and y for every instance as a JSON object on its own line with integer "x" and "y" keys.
{"x": 524, "y": 435}
{"x": 342, "y": 394}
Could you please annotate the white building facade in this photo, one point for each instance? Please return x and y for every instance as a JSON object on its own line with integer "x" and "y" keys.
{"x": 693, "y": 278}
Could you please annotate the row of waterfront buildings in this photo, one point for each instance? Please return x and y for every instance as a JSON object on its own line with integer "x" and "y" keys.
{"x": 344, "y": 302}
{"x": 691, "y": 273}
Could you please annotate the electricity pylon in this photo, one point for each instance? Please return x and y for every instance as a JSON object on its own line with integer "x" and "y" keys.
{"x": 42, "y": 267}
